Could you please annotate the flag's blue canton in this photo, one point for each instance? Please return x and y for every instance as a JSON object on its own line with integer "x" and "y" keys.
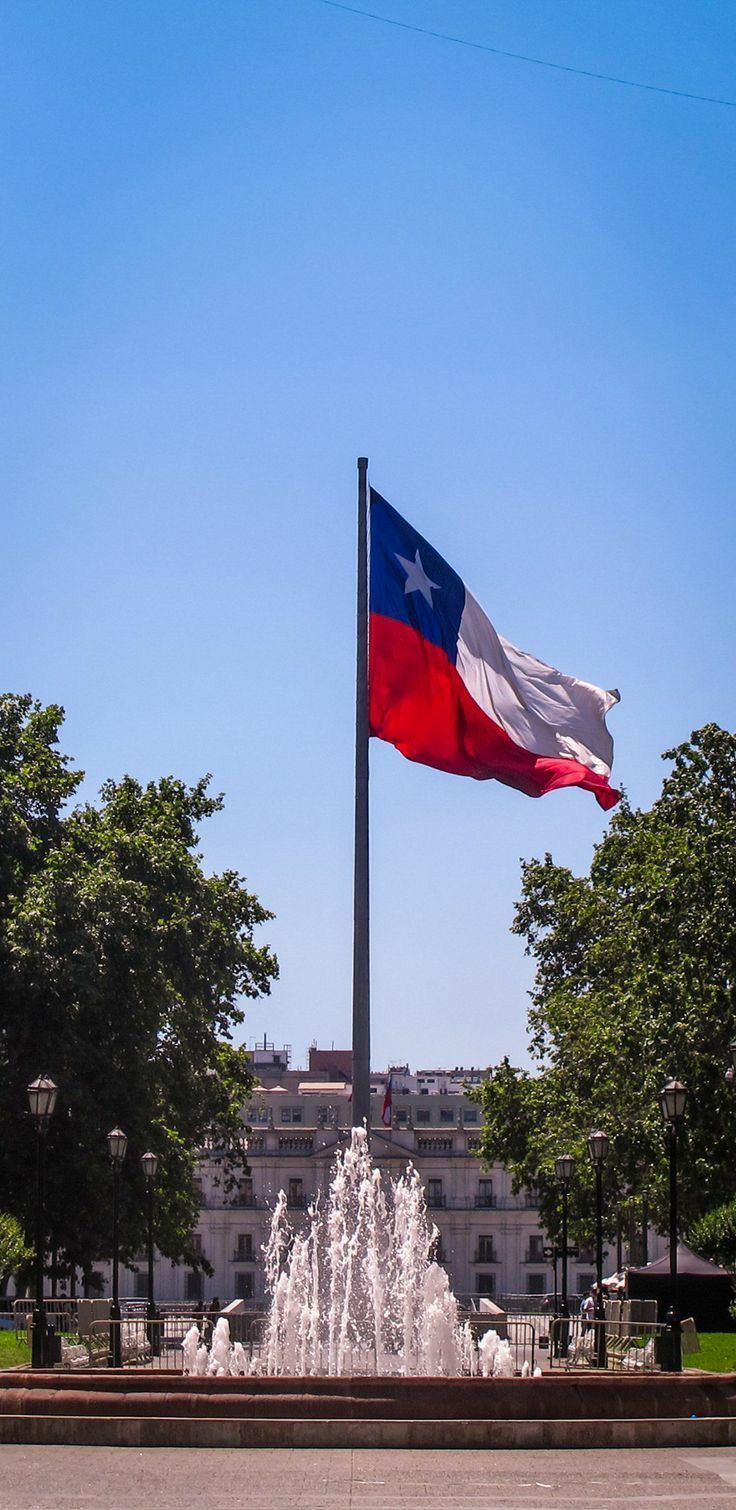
{"x": 392, "y": 537}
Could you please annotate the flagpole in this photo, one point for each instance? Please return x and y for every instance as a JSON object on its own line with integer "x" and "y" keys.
{"x": 361, "y": 896}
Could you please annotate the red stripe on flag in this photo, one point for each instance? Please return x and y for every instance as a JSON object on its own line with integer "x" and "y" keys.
{"x": 420, "y": 704}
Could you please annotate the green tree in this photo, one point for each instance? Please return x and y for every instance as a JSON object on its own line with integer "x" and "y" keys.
{"x": 714, "y": 1235}
{"x": 122, "y": 971}
{"x": 15, "y": 1253}
{"x": 635, "y": 979}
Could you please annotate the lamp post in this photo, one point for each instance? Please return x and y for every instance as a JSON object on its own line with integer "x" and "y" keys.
{"x": 150, "y": 1165}
{"x": 563, "y": 1169}
{"x": 42, "y": 1095}
{"x": 598, "y": 1148}
{"x": 645, "y": 1227}
{"x": 672, "y": 1100}
{"x": 117, "y": 1144}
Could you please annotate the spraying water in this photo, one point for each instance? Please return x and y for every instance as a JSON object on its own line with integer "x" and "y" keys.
{"x": 358, "y": 1291}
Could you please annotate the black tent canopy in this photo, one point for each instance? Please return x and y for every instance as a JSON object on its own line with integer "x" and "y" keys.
{"x": 706, "y": 1291}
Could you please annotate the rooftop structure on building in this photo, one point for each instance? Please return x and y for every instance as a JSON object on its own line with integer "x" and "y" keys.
{"x": 273, "y": 1066}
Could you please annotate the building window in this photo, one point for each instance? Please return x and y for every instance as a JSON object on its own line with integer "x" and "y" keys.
{"x": 243, "y": 1195}
{"x": 400, "y": 1114}
{"x": 486, "y": 1284}
{"x": 535, "y": 1252}
{"x": 485, "y": 1193}
{"x": 447, "y": 1114}
{"x": 471, "y": 1114}
{"x": 585, "y": 1283}
{"x": 243, "y": 1286}
{"x": 296, "y": 1193}
{"x": 423, "y": 1115}
{"x": 244, "y": 1248}
{"x": 198, "y": 1188}
{"x": 536, "y": 1284}
{"x": 486, "y": 1254}
{"x": 140, "y": 1284}
{"x": 434, "y": 1193}
{"x": 193, "y": 1285}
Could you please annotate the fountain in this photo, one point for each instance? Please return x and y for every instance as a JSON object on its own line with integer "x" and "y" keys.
{"x": 363, "y": 1346}
{"x": 358, "y": 1292}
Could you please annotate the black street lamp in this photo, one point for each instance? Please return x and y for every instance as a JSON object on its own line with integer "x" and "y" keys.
{"x": 672, "y": 1100}
{"x": 598, "y": 1148}
{"x": 150, "y": 1165}
{"x": 42, "y": 1100}
{"x": 117, "y": 1144}
{"x": 564, "y": 1167}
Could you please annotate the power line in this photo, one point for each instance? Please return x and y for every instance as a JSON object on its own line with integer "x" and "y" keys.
{"x": 521, "y": 57}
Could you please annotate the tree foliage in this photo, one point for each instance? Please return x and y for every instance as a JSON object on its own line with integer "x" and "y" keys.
{"x": 714, "y": 1235}
{"x": 15, "y": 1252}
{"x": 122, "y": 971}
{"x": 635, "y": 979}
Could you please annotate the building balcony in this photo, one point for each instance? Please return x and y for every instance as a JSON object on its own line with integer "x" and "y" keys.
{"x": 437, "y": 1202}
{"x": 485, "y": 1202}
{"x": 245, "y": 1257}
{"x": 482, "y": 1256}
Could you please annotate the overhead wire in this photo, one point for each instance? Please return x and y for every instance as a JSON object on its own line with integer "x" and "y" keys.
{"x": 521, "y": 57}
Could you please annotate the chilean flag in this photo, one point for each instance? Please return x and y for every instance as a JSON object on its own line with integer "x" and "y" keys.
{"x": 450, "y": 692}
{"x": 387, "y": 1108}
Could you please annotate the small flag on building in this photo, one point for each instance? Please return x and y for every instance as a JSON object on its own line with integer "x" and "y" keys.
{"x": 449, "y": 691}
{"x": 387, "y": 1108}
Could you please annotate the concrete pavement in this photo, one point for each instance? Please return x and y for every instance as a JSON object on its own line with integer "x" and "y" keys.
{"x": 102, "y": 1478}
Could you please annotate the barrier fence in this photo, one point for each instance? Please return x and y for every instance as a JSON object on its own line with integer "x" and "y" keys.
{"x": 81, "y": 1335}
{"x": 519, "y": 1332}
{"x": 619, "y": 1346}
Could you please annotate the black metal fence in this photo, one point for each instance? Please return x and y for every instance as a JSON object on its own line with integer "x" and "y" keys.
{"x": 632, "y": 1346}
{"x": 519, "y": 1332}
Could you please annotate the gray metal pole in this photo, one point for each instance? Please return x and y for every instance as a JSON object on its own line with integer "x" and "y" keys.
{"x": 361, "y": 897}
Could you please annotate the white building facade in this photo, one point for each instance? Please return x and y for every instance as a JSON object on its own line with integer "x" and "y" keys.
{"x": 489, "y": 1239}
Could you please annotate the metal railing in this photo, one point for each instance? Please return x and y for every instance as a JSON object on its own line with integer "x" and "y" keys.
{"x": 619, "y": 1346}
{"x": 85, "y": 1339}
{"x": 149, "y": 1344}
{"x": 520, "y": 1335}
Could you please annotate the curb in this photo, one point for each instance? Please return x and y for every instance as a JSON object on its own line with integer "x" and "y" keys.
{"x": 175, "y": 1431}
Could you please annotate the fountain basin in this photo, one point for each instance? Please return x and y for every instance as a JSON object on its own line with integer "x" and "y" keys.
{"x": 141, "y": 1408}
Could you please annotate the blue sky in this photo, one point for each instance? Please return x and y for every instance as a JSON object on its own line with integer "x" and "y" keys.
{"x": 243, "y": 243}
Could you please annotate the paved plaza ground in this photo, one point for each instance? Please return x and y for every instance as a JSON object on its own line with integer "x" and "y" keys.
{"x": 102, "y": 1478}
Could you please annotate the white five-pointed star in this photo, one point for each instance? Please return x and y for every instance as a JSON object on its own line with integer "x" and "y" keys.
{"x": 416, "y": 577}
